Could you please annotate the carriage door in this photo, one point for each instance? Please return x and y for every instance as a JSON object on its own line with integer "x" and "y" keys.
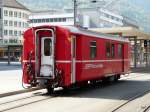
{"x": 123, "y": 61}
{"x": 121, "y": 55}
{"x": 47, "y": 57}
{"x": 73, "y": 66}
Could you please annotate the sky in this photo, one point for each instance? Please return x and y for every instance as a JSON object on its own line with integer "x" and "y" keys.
{"x": 145, "y": 4}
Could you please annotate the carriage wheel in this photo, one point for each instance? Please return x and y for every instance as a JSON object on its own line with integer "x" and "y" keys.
{"x": 50, "y": 90}
{"x": 117, "y": 77}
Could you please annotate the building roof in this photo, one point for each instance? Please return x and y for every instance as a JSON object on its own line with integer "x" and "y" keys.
{"x": 125, "y": 31}
{"x": 13, "y": 4}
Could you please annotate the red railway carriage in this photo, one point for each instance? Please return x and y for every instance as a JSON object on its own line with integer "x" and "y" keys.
{"x": 56, "y": 56}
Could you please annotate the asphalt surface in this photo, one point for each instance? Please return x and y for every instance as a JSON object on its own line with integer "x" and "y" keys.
{"x": 100, "y": 98}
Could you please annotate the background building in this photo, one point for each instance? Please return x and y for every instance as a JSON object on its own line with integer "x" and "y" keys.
{"x": 14, "y": 21}
{"x": 130, "y": 22}
{"x": 45, "y": 18}
{"x": 87, "y": 18}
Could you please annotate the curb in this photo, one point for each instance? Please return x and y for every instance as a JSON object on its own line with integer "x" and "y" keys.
{"x": 18, "y": 92}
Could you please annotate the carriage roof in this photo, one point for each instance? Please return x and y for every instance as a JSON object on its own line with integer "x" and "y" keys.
{"x": 95, "y": 34}
{"x": 89, "y": 33}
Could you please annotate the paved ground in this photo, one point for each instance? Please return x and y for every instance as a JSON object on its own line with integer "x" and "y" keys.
{"x": 10, "y": 77}
{"x": 102, "y": 98}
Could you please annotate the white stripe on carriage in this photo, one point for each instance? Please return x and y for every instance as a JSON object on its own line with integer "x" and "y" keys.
{"x": 26, "y": 61}
{"x": 80, "y": 61}
{"x": 63, "y": 61}
{"x": 85, "y": 61}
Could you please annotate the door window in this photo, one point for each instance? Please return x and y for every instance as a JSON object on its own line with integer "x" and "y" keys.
{"x": 47, "y": 47}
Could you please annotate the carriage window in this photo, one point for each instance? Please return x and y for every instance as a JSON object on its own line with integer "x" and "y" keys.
{"x": 47, "y": 47}
{"x": 93, "y": 49}
{"x": 107, "y": 50}
{"x": 120, "y": 50}
{"x": 113, "y": 50}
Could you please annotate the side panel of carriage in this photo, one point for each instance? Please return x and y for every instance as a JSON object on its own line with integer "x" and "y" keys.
{"x": 94, "y": 60}
{"x": 28, "y": 56}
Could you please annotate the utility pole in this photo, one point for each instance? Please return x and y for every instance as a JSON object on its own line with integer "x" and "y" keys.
{"x": 75, "y": 12}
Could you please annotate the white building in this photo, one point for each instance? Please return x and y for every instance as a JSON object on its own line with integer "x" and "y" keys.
{"x": 109, "y": 19}
{"x": 14, "y": 19}
{"x": 100, "y": 17}
{"x": 13, "y": 22}
{"x": 45, "y": 18}
{"x": 87, "y": 18}
{"x": 62, "y": 19}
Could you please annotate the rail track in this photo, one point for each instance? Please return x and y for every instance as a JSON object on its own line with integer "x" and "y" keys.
{"x": 24, "y": 101}
{"x": 147, "y": 109}
{"x": 130, "y": 100}
{"x": 39, "y": 97}
{"x": 133, "y": 98}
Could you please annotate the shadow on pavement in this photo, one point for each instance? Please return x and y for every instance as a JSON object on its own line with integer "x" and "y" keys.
{"x": 13, "y": 66}
{"x": 122, "y": 90}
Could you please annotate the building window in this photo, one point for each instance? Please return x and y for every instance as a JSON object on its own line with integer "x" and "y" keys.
{"x": 15, "y": 23}
{"x": 23, "y": 24}
{"x": 23, "y": 15}
{"x": 120, "y": 50}
{"x": 43, "y": 20}
{"x": 19, "y": 33}
{"x": 15, "y": 33}
{"x": 5, "y": 32}
{"x": 10, "y": 23}
{"x": 15, "y": 14}
{"x": 64, "y": 19}
{"x": 113, "y": 50}
{"x": 33, "y": 21}
{"x": 19, "y": 15}
{"x": 108, "y": 50}
{"x": 5, "y": 13}
{"x": 0, "y": 13}
{"x": 47, "y": 20}
{"x": 93, "y": 49}
{"x": 19, "y": 24}
{"x": 54, "y": 20}
{"x": 10, "y": 32}
{"x": 37, "y": 21}
{"x": 51, "y": 20}
{"x": 10, "y": 13}
{"x": 5, "y": 22}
